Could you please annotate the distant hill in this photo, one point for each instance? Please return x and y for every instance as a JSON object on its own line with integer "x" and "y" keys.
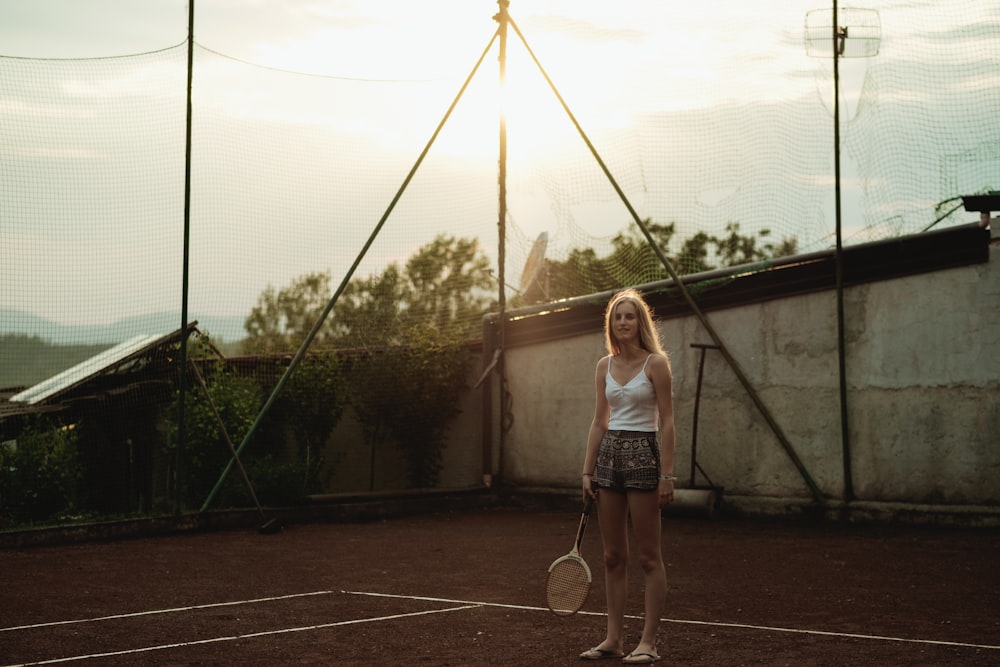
{"x": 16, "y": 322}
{"x": 26, "y": 361}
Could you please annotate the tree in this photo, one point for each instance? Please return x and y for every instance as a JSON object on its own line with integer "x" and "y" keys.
{"x": 583, "y": 272}
{"x": 237, "y": 400}
{"x": 408, "y": 394}
{"x": 693, "y": 257}
{"x": 450, "y": 279}
{"x": 633, "y": 261}
{"x": 370, "y": 310}
{"x": 734, "y": 249}
{"x": 282, "y": 319}
{"x": 444, "y": 285}
{"x": 310, "y": 409}
{"x": 432, "y": 381}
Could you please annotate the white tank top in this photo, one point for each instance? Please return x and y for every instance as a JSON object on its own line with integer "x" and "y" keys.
{"x": 633, "y": 404}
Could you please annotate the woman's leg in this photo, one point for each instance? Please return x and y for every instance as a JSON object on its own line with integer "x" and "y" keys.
{"x": 646, "y": 523}
{"x": 612, "y": 512}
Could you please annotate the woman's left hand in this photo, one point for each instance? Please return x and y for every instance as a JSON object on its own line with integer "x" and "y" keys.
{"x": 666, "y": 491}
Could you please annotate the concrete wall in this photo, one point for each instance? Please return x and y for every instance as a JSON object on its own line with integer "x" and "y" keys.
{"x": 923, "y": 369}
{"x": 923, "y": 372}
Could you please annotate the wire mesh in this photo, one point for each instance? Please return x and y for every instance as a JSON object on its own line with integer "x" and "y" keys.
{"x": 716, "y": 126}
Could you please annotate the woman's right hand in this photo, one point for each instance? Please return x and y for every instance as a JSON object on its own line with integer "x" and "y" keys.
{"x": 589, "y": 490}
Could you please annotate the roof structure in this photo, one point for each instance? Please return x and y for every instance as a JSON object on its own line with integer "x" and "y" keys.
{"x": 123, "y": 369}
{"x": 100, "y": 363}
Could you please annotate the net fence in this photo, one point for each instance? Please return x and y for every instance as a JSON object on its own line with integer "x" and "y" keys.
{"x": 717, "y": 126}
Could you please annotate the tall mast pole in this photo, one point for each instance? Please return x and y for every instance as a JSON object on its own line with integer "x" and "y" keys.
{"x": 503, "y": 18}
{"x": 182, "y": 364}
{"x": 839, "y": 38}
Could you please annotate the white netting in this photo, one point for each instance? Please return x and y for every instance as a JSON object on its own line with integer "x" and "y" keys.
{"x": 706, "y": 121}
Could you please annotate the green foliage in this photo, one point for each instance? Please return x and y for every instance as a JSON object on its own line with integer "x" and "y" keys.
{"x": 410, "y": 394}
{"x": 443, "y": 286}
{"x": 583, "y": 272}
{"x": 633, "y": 261}
{"x": 41, "y": 474}
{"x": 370, "y": 310}
{"x": 282, "y": 319}
{"x": 446, "y": 284}
{"x": 238, "y": 401}
{"x": 412, "y": 321}
{"x": 314, "y": 400}
{"x": 311, "y": 405}
{"x": 277, "y": 482}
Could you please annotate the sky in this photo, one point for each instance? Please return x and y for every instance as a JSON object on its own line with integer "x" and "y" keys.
{"x": 348, "y": 37}
{"x": 437, "y": 39}
{"x": 624, "y": 44}
{"x": 648, "y": 59}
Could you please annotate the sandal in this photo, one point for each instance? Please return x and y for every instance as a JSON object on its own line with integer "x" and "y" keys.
{"x": 640, "y": 658}
{"x": 601, "y": 654}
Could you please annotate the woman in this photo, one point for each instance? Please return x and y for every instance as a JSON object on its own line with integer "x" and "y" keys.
{"x": 629, "y": 469}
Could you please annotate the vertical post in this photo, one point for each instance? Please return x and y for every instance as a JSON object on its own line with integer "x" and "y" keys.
{"x": 182, "y": 365}
{"x": 839, "y": 37}
{"x": 697, "y": 405}
{"x": 503, "y": 19}
{"x": 318, "y": 324}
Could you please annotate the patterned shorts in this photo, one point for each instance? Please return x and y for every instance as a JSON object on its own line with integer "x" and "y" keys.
{"x": 628, "y": 461}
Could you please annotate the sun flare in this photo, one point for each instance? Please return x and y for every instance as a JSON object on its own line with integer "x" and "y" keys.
{"x": 537, "y": 124}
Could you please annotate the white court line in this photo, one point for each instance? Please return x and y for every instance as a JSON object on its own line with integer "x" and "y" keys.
{"x": 250, "y": 635}
{"x": 464, "y": 604}
{"x": 825, "y": 633}
{"x": 162, "y": 611}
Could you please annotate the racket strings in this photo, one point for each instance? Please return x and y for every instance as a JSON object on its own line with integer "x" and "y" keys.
{"x": 567, "y": 586}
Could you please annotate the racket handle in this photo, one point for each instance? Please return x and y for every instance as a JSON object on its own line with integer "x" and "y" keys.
{"x": 588, "y": 505}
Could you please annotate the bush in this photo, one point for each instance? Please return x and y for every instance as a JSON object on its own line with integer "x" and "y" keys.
{"x": 410, "y": 394}
{"x": 206, "y": 454}
{"x": 284, "y": 458}
{"x": 312, "y": 405}
{"x": 40, "y": 474}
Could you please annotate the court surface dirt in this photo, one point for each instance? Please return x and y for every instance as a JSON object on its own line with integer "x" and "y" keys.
{"x": 466, "y": 588}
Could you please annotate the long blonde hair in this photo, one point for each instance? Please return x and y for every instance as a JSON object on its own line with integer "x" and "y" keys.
{"x": 649, "y": 338}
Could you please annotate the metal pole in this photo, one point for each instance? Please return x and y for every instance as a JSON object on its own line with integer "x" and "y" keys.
{"x": 182, "y": 366}
{"x": 503, "y": 18}
{"x": 279, "y": 387}
{"x": 697, "y": 405}
{"x": 839, "y": 37}
{"x": 740, "y": 375}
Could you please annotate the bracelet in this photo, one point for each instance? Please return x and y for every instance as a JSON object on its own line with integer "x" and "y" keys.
{"x": 587, "y": 474}
{"x": 668, "y": 478}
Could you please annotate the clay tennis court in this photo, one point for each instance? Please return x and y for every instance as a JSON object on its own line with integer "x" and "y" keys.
{"x": 465, "y": 587}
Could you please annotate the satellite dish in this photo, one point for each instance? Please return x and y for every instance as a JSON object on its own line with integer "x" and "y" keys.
{"x": 534, "y": 267}
{"x": 859, "y": 32}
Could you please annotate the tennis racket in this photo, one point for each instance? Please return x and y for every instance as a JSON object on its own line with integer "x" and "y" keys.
{"x": 568, "y": 582}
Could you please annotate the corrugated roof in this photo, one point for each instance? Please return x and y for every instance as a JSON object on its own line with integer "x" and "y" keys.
{"x": 94, "y": 366}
